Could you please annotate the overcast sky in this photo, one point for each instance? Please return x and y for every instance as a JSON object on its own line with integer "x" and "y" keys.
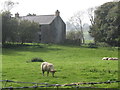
{"x": 45, "y": 7}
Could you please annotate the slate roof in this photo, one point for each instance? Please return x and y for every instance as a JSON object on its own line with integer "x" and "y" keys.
{"x": 41, "y": 19}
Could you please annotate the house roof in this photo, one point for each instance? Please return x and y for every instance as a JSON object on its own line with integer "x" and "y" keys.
{"x": 41, "y": 19}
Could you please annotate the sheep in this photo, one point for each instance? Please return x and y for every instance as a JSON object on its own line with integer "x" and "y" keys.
{"x": 110, "y": 58}
{"x": 115, "y": 58}
{"x": 105, "y": 58}
{"x": 49, "y": 67}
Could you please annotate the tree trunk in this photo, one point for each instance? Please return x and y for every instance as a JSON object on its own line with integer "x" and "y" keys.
{"x": 83, "y": 40}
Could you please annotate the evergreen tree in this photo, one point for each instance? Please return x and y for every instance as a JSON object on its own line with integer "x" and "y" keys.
{"x": 105, "y": 27}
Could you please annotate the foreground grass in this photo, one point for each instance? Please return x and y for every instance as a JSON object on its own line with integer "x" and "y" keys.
{"x": 73, "y": 64}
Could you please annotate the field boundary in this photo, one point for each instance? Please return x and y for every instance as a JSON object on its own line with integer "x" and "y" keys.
{"x": 43, "y": 85}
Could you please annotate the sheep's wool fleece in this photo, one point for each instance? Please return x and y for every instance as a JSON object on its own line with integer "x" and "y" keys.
{"x": 47, "y": 66}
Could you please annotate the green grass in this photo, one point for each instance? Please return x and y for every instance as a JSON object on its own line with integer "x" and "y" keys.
{"x": 73, "y": 64}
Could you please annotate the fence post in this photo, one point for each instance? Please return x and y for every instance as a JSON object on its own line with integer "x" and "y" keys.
{"x": 57, "y": 87}
{"x": 5, "y": 83}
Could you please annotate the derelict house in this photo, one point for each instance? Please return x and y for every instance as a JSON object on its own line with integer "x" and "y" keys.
{"x": 52, "y": 27}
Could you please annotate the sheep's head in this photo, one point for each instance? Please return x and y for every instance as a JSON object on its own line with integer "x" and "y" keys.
{"x": 53, "y": 71}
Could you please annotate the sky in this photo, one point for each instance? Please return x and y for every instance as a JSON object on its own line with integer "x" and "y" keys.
{"x": 67, "y": 8}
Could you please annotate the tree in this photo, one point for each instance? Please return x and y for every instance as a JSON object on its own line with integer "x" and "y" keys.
{"x": 9, "y": 24}
{"x": 8, "y": 5}
{"x": 9, "y": 27}
{"x": 105, "y": 28}
{"x": 27, "y": 31}
{"x": 31, "y": 14}
{"x": 78, "y": 25}
{"x": 14, "y": 30}
{"x": 5, "y": 24}
{"x": 73, "y": 37}
{"x": 90, "y": 13}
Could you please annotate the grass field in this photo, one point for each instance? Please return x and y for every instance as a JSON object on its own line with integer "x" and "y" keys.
{"x": 73, "y": 64}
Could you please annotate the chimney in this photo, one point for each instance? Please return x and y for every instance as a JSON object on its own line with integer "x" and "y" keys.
{"x": 57, "y": 13}
{"x": 17, "y": 15}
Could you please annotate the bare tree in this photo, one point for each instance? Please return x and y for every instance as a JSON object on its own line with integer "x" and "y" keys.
{"x": 8, "y": 5}
{"x": 91, "y": 15}
{"x": 77, "y": 22}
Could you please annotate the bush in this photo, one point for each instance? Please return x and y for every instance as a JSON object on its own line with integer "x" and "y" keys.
{"x": 73, "y": 42}
{"x": 36, "y": 60}
{"x": 103, "y": 44}
{"x": 92, "y": 45}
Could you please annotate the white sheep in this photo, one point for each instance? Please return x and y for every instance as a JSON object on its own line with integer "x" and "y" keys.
{"x": 105, "y": 58}
{"x": 110, "y": 58}
{"x": 49, "y": 67}
{"x": 113, "y": 58}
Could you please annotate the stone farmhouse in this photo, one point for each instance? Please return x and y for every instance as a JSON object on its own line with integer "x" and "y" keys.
{"x": 52, "y": 27}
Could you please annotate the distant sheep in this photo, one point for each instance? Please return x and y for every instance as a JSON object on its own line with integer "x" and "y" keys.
{"x": 105, "y": 58}
{"x": 109, "y": 58}
{"x": 49, "y": 67}
{"x": 113, "y": 58}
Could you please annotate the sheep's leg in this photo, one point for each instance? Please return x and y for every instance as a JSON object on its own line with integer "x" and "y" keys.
{"x": 53, "y": 74}
{"x": 47, "y": 73}
{"x": 43, "y": 72}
